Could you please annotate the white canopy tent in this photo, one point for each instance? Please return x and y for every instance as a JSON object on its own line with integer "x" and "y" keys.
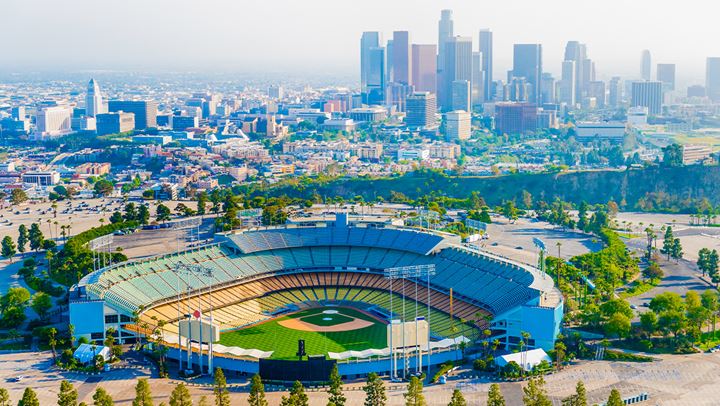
{"x": 86, "y": 353}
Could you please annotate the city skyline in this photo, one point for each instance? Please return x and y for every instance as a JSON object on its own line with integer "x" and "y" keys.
{"x": 333, "y": 36}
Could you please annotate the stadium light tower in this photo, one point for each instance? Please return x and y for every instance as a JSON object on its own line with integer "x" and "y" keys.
{"x": 198, "y": 270}
{"x": 404, "y": 272}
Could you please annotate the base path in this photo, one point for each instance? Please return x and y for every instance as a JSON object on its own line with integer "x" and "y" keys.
{"x": 298, "y": 324}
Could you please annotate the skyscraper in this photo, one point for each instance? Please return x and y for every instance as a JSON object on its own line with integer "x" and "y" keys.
{"x": 368, "y": 41}
{"x": 424, "y": 67}
{"x": 647, "y": 94}
{"x": 646, "y": 65}
{"x": 445, "y": 32}
{"x": 486, "y": 49}
{"x": 402, "y": 58}
{"x": 458, "y": 125}
{"x": 93, "y": 100}
{"x": 527, "y": 63}
{"x": 458, "y": 66}
{"x": 615, "y": 92}
{"x": 567, "y": 84}
{"x": 477, "y": 92}
{"x": 666, "y": 74}
{"x": 712, "y": 79}
{"x": 145, "y": 111}
{"x": 461, "y": 95}
{"x": 375, "y": 78}
{"x": 577, "y": 52}
{"x": 421, "y": 108}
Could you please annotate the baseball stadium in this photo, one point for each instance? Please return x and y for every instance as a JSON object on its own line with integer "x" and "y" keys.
{"x": 342, "y": 291}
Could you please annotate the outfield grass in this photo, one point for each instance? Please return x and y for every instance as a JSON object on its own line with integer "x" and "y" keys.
{"x": 270, "y": 336}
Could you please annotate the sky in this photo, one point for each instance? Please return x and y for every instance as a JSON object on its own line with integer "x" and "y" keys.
{"x": 318, "y": 36}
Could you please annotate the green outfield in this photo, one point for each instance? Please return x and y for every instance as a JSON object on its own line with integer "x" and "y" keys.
{"x": 272, "y": 336}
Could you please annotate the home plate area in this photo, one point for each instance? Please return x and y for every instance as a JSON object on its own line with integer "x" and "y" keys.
{"x": 325, "y": 320}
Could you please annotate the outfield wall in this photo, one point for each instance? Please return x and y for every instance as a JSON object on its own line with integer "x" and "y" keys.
{"x": 350, "y": 369}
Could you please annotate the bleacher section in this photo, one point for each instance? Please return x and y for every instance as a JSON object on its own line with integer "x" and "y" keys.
{"x": 405, "y": 240}
{"x": 247, "y": 304}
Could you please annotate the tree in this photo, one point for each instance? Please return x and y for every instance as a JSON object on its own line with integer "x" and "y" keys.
{"x": 41, "y": 303}
{"x": 102, "y": 398}
{"x": 162, "y": 213}
{"x": 534, "y": 394}
{"x": 8, "y": 247}
{"x": 414, "y": 395}
{"x": 510, "y": 211}
{"x": 4, "y": 397}
{"x": 668, "y": 242}
{"x": 180, "y": 396}
{"x": 103, "y": 187}
{"x": 676, "y": 251}
{"x": 143, "y": 397}
{"x": 36, "y": 237}
{"x": 143, "y": 216}
{"x": 68, "y": 395}
{"x": 653, "y": 271}
{"x": 495, "y": 397}
{"x": 131, "y": 213}
{"x": 202, "y": 202}
{"x": 335, "y": 393}
{"x": 579, "y": 398}
{"x": 457, "y": 399}
{"x": 116, "y": 217}
{"x": 18, "y": 196}
{"x": 15, "y": 297}
{"x": 673, "y": 155}
{"x": 648, "y": 322}
{"x": 297, "y": 397}
{"x": 204, "y": 401}
{"x": 374, "y": 391}
{"x": 222, "y": 395}
{"x": 23, "y": 237}
{"x": 29, "y": 398}
{"x": 618, "y": 325}
{"x": 615, "y": 399}
{"x": 257, "y": 392}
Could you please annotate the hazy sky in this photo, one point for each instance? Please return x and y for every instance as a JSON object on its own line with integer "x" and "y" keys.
{"x": 323, "y": 35}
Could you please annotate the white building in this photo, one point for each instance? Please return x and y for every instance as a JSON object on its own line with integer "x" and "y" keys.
{"x": 637, "y": 116}
{"x": 41, "y": 178}
{"x": 600, "y": 131}
{"x": 458, "y": 125}
{"x": 53, "y": 122}
{"x": 93, "y": 100}
{"x": 413, "y": 153}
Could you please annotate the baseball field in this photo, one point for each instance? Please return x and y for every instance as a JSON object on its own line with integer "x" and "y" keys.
{"x": 324, "y": 329}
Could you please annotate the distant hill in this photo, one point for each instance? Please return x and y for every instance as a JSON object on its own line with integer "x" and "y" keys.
{"x": 650, "y": 189}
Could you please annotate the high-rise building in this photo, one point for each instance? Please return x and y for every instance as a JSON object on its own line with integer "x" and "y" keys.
{"x": 615, "y": 92}
{"x": 18, "y": 113}
{"x": 424, "y": 67}
{"x": 458, "y": 66}
{"x": 666, "y": 75}
{"x": 527, "y": 63}
{"x": 646, "y": 65}
{"x": 93, "y": 100}
{"x": 696, "y": 91}
{"x": 598, "y": 92}
{"x": 445, "y": 33}
{"x": 515, "y": 118}
{"x": 390, "y": 63}
{"x": 547, "y": 88}
{"x": 712, "y": 79}
{"x": 567, "y": 84}
{"x": 648, "y": 94}
{"x": 478, "y": 94}
{"x": 577, "y": 52}
{"x": 276, "y": 92}
{"x": 458, "y": 125}
{"x": 461, "y": 95}
{"x": 517, "y": 90}
{"x": 374, "y": 90}
{"x": 486, "y": 49}
{"x": 421, "y": 108}
{"x": 114, "y": 123}
{"x": 145, "y": 111}
{"x": 402, "y": 58}
{"x": 53, "y": 121}
{"x": 368, "y": 41}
